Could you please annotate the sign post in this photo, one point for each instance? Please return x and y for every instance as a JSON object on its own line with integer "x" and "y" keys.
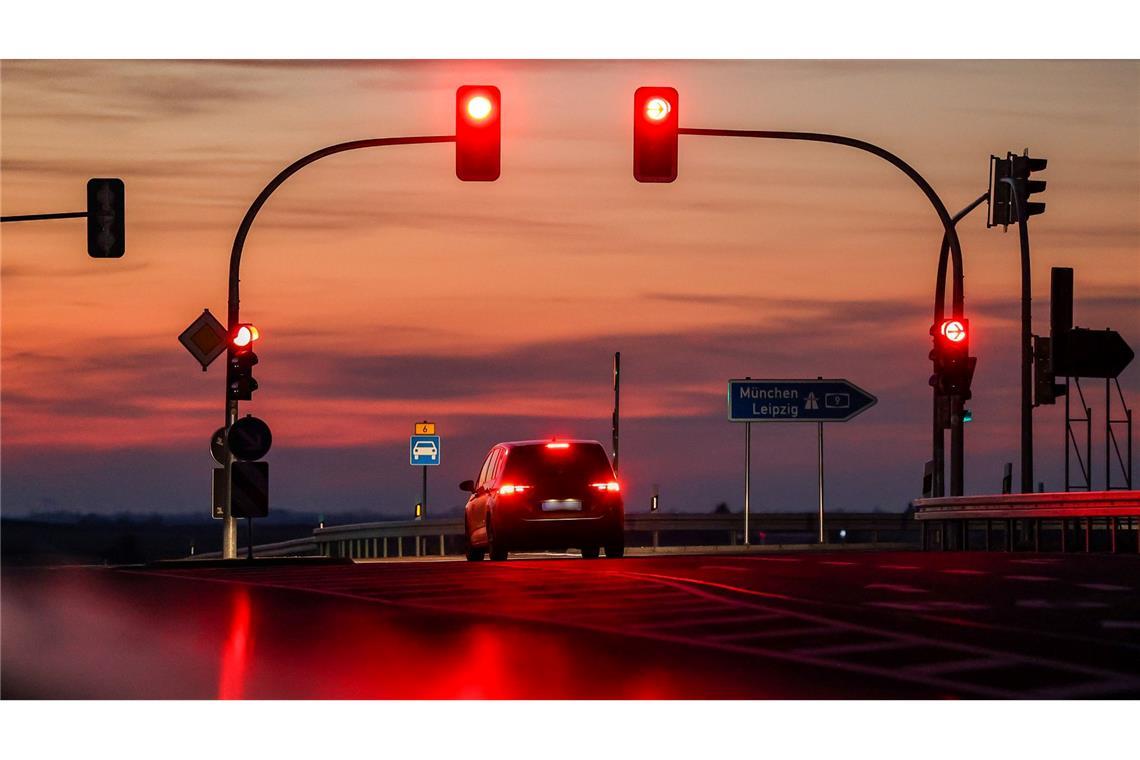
{"x": 817, "y": 401}
{"x": 424, "y": 451}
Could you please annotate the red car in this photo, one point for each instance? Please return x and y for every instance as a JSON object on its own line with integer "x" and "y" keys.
{"x": 543, "y": 495}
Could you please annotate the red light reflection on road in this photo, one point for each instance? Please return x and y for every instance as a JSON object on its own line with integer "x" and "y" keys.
{"x": 236, "y": 649}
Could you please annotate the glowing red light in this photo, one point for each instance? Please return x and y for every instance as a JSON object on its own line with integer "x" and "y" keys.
{"x": 245, "y": 335}
{"x": 612, "y": 486}
{"x": 953, "y": 330}
{"x": 510, "y": 488}
{"x": 557, "y": 445}
{"x": 656, "y": 109}
{"x": 479, "y": 107}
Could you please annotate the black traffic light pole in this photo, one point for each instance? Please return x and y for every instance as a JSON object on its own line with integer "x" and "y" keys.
{"x": 229, "y": 523}
{"x": 1020, "y": 207}
{"x": 950, "y": 242}
{"x": 957, "y": 429}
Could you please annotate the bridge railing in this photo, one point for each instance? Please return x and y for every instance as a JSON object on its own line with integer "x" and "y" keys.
{"x": 1040, "y": 521}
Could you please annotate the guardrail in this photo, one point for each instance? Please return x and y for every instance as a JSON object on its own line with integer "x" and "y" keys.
{"x": 446, "y": 536}
{"x": 1108, "y": 518}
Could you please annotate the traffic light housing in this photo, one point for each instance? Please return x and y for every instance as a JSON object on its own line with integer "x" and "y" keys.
{"x": 655, "y": 126}
{"x": 106, "y": 221}
{"x": 1022, "y": 168}
{"x": 1000, "y": 196}
{"x": 478, "y": 133}
{"x": 1019, "y": 169}
{"x": 953, "y": 365}
{"x": 241, "y": 358}
{"x": 1045, "y": 388}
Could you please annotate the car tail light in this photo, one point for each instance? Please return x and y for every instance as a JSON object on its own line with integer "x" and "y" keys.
{"x": 557, "y": 445}
{"x": 510, "y": 488}
{"x": 612, "y": 485}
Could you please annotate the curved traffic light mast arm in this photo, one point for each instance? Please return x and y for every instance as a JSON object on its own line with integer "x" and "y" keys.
{"x": 286, "y": 173}
{"x": 943, "y": 255}
{"x": 229, "y": 524}
{"x": 1020, "y": 208}
{"x": 939, "y": 207}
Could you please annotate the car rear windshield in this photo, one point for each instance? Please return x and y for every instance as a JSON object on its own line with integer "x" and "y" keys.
{"x": 540, "y": 465}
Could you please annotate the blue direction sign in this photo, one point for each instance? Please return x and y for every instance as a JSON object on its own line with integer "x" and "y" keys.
{"x": 423, "y": 449}
{"x": 796, "y": 400}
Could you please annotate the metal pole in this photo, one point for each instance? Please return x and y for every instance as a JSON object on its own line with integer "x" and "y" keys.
{"x": 249, "y": 538}
{"x": 1107, "y": 435}
{"x": 229, "y": 526}
{"x": 1026, "y": 339}
{"x": 423, "y": 494}
{"x": 938, "y": 449}
{"x": 40, "y": 217}
{"x": 957, "y": 446}
{"x": 617, "y": 406}
{"x": 819, "y": 436}
{"x": 1067, "y": 428}
{"x": 747, "y": 476}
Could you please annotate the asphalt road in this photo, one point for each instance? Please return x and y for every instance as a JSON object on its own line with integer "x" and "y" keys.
{"x": 839, "y": 624}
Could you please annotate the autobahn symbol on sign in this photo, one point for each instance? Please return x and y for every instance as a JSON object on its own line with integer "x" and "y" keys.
{"x": 423, "y": 450}
{"x": 796, "y": 400}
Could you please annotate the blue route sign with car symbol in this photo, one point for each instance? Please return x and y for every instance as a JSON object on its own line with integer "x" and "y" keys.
{"x": 796, "y": 400}
{"x": 423, "y": 450}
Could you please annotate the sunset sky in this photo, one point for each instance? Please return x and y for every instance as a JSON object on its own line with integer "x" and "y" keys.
{"x": 387, "y": 291}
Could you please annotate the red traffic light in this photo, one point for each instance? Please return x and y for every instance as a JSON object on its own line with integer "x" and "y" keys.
{"x": 244, "y": 336}
{"x": 954, "y": 330}
{"x": 477, "y": 133}
{"x": 655, "y": 128}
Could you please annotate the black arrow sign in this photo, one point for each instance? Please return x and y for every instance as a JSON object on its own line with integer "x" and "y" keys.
{"x": 1092, "y": 353}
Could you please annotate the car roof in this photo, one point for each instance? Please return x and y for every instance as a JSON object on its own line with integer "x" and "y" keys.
{"x": 543, "y": 441}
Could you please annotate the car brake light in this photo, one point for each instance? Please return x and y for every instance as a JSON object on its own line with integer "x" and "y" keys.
{"x": 612, "y": 485}
{"x": 508, "y": 489}
{"x": 557, "y": 445}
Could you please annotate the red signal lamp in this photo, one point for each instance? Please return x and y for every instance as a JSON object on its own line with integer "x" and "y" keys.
{"x": 478, "y": 133}
{"x": 953, "y": 330}
{"x": 244, "y": 336}
{"x": 655, "y": 130}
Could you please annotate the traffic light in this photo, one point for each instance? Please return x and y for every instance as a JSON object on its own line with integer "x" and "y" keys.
{"x": 1000, "y": 200}
{"x": 655, "y": 128}
{"x": 478, "y": 131}
{"x": 1046, "y": 389}
{"x": 106, "y": 224}
{"x": 239, "y": 372}
{"x": 1021, "y": 168}
{"x": 953, "y": 365}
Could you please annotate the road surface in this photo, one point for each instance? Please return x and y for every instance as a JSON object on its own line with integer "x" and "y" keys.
{"x": 842, "y": 624}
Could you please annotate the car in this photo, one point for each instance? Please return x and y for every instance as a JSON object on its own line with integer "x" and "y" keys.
{"x": 544, "y": 495}
{"x": 424, "y": 449}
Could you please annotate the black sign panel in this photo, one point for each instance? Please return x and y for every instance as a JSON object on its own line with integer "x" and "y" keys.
{"x": 249, "y": 438}
{"x": 218, "y": 445}
{"x": 1090, "y": 353}
{"x": 249, "y": 484}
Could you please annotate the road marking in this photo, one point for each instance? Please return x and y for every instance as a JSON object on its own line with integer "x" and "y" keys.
{"x": 898, "y": 567}
{"x": 1029, "y": 578}
{"x": 836, "y": 562}
{"x": 770, "y": 559}
{"x": 898, "y": 587}
{"x": 964, "y": 571}
{"x": 1045, "y": 604}
{"x": 733, "y": 568}
{"x": 1117, "y": 624}
{"x": 929, "y": 606}
{"x": 1035, "y": 561}
{"x": 847, "y": 649}
{"x": 1104, "y": 587}
{"x": 779, "y": 633}
{"x": 956, "y": 666}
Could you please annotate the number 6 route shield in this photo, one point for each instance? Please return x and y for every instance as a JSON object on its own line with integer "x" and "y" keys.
{"x": 796, "y": 400}
{"x": 423, "y": 450}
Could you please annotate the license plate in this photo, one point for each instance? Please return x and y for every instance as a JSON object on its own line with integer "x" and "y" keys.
{"x": 562, "y": 505}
